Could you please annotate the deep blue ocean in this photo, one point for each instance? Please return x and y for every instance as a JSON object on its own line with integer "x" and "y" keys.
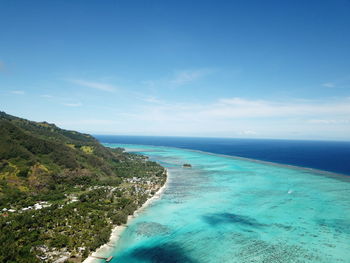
{"x": 332, "y": 156}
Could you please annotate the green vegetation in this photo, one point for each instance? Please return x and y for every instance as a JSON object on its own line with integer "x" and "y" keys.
{"x": 61, "y": 191}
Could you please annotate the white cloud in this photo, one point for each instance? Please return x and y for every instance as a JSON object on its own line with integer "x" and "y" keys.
{"x": 87, "y": 122}
{"x": 151, "y": 99}
{"x": 328, "y": 85}
{"x": 336, "y": 121}
{"x": 18, "y": 92}
{"x": 243, "y": 117}
{"x": 94, "y": 85}
{"x": 243, "y": 108}
{"x": 228, "y": 117}
{"x": 177, "y": 78}
{"x": 248, "y": 132}
{"x": 186, "y": 76}
{"x": 78, "y": 104}
{"x": 46, "y": 96}
{"x": 239, "y": 108}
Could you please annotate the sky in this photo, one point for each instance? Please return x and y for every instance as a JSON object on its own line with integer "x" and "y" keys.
{"x": 241, "y": 69}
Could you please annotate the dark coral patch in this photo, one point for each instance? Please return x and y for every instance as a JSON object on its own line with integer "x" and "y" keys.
{"x": 169, "y": 253}
{"x": 230, "y": 218}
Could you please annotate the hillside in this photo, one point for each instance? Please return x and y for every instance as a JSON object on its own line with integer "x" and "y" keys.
{"x": 66, "y": 189}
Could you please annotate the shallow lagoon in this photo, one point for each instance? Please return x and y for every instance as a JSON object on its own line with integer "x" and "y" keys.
{"x": 227, "y": 209}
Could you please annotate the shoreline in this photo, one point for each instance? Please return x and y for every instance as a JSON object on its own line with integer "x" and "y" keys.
{"x": 106, "y": 249}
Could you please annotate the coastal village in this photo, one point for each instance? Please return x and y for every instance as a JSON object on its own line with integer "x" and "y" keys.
{"x": 86, "y": 213}
{"x": 137, "y": 189}
{"x": 131, "y": 186}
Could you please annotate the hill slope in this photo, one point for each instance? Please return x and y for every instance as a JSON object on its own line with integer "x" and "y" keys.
{"x": 49, "y": 175}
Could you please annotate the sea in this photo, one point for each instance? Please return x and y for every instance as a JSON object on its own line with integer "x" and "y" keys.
{"x": 332, "y": 156}
{"x": 241, "y": 201}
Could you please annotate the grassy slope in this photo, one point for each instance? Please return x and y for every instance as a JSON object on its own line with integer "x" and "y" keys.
{"x": 39, "y": 158}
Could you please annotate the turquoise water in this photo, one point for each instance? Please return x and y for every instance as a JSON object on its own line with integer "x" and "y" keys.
{"x": 227, "y": 209}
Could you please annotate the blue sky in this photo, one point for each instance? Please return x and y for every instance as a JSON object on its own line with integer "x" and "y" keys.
{"x": 256, "y": 69}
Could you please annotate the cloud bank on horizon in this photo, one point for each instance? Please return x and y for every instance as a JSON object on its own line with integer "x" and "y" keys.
{"x": 212, "y": 69}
